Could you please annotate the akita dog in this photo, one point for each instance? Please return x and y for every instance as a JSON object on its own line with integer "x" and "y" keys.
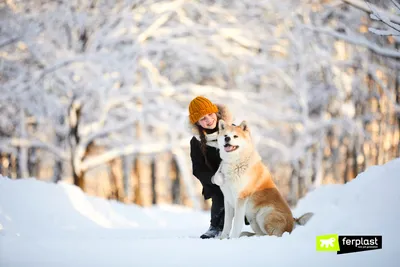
{"x": 248, "y": 187}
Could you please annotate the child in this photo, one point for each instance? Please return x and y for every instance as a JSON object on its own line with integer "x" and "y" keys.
{"x": 204, "y": 116}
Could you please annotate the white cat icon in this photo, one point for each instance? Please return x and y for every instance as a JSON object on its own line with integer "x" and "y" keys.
{"x": 326, "y": 243}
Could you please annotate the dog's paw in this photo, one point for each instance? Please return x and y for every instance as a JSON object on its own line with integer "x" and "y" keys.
{"x": 224, "y": 236}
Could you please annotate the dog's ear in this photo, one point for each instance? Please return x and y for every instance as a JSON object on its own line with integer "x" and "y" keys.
{"x": 221, "y": 125}
{"x": 244, "y": 126}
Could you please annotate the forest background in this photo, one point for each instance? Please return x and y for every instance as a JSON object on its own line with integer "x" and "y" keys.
{"x": 95, "y": 92}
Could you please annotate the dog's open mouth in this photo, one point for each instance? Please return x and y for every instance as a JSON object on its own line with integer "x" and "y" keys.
{"x": 229, "y": 148}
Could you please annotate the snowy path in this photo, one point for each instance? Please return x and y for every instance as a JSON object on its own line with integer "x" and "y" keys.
{"x": 45, "y": 225}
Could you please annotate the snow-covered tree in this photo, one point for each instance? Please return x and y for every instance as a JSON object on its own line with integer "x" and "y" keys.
{"x": 86, "y": 84}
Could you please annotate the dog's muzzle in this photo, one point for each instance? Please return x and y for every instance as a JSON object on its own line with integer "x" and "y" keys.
{"x": 229, "y": 148}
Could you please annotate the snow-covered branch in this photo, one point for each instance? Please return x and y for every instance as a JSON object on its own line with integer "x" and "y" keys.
{"x": 370, "y": 8}
{"x": 27, "y": 143}
{"x": 376, "y": 13}
{"x": 357, "y": 40}
{"x": 134, "y": 148}
{"x": 393, "y": 28}
{"x": 9, "y": 41}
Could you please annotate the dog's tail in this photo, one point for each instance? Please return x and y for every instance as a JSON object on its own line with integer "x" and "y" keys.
{"x": 246, "y": 234}
{"x": 303, "y": 219}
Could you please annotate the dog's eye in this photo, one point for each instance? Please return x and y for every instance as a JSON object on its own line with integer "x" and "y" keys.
{"x": 235, "y": 136}
{"x": 225, "y": 135}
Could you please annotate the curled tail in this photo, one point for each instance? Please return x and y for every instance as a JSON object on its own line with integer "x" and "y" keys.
{"x": 303, "y": 219}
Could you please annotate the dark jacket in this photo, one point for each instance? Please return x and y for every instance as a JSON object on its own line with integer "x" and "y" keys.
{"x": 201, "y": 170}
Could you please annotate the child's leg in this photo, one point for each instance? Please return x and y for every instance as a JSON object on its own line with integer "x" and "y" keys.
{"x": 217, "y": 210}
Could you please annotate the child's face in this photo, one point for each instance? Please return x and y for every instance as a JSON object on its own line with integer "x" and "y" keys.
{"x": 208, "y": 121}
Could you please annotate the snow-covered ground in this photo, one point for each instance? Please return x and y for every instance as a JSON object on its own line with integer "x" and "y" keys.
{"x": 43, "y": 224}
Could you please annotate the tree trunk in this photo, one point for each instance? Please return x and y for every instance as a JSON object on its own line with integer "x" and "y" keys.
{"x": 138, "y": 170}
{"x": 33, "y": 162}
{"x": 5, "y": 164}
{"x": 336, "y": 160}
{"x": 14, "y": 166}
{"x": 294, "y": 184}
{"x": 397, "y": 114}
{"x": 79, "y": 180}
{"x": 117, "y": 189}
{"x": 58, "y": 166}
{"x": 302, "y": 177}
{"x": 1, "y": 163}
{"x": 318, "y": 166}
{"x": 57, "y": 171}
{"x": 175, "y": 188}
{"x": 153, "y": 181}
{"x": 185, "y": 179}
{"x": 74, "y": 116}
{"x": 137, "y": 193}
{"x": 127, "y": 168}
{"x": 348, "y": 167}
{"x": 23, "y": 171}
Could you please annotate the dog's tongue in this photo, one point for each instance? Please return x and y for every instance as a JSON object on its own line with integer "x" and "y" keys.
{"x": 229, "y": 148}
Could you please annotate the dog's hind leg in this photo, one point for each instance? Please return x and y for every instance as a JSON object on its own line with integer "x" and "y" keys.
{"x": 275, "y": 224}
{"x": 256, "y": 228}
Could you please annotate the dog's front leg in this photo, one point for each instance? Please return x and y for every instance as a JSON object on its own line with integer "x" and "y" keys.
{"x": 238, "y": 221}
{"x": 229, "y": 213}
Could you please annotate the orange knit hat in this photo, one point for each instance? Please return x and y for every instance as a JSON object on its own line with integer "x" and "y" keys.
{"x": 199, "y": 107}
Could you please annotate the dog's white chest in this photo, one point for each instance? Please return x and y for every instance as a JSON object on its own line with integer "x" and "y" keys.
{"x": 235, "y": 179}
{"x": 235, "y": 173}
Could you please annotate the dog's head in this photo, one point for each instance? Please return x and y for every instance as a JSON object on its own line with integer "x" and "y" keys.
{"x": 233, "y": 140}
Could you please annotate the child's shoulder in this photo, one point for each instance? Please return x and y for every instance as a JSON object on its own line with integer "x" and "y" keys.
{"x": 194, "y": 140}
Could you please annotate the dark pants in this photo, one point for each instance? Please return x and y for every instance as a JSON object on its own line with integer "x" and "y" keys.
{"x": 217, "y": 210}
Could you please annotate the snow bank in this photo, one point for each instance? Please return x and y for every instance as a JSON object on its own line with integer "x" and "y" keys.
{"x": 44, "y": 224}
{"x": 28, "y": 204}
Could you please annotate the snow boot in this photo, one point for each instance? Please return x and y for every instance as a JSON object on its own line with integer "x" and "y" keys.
{"x": 212, "y": 232}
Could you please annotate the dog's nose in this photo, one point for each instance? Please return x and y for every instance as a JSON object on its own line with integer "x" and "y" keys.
{"x": 227, "y": 139}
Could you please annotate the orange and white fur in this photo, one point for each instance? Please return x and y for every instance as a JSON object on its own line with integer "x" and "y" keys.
{"x": 248, "y": 188}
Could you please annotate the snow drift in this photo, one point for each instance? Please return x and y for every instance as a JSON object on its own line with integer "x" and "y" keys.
{"x": 44, "y": 224}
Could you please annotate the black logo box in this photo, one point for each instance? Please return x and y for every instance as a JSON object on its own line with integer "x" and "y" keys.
{"x": 356, "y": 243}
